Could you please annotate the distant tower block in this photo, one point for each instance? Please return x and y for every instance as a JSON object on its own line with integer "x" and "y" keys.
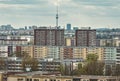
{"x": 49, "y": 37}
{"x": 68, "y": 26}
{"x": 85, "y": 37}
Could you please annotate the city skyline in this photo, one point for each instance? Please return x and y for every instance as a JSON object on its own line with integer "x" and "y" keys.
{"x": 93, "y": 13}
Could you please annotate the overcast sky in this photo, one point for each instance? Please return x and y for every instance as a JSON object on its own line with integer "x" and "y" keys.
{"x": 93, "y": 13}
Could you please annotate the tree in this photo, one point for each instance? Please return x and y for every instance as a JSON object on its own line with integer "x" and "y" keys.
{"x": 75, "y": 72}
{"x": 20, "y": 54}
{"x": 67, "y": 69}
{"x": 34, "y": 64}
{"x": 79, "y": 66}
{"x": 117, "y": 70}
{"x": 78, "y": 70}
{"x": 92, "y": 66}
{"x": 108, "y": 70}
{"x": 92, "y": 57}
{"x": 31, "y": 63}
{"x": 62, "y": 69}
{"x": 2, "y": 64}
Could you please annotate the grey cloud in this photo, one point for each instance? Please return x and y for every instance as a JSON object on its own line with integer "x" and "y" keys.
{"x": 41, "y": 8}
{"x": 23, "y": 2}
{"x": 80, "y": 10}
{"x": 98, "y": 2}
{"x": 97, "y": 8}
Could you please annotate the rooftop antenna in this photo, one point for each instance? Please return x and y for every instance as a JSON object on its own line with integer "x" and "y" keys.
{"x": 57, "y": 16}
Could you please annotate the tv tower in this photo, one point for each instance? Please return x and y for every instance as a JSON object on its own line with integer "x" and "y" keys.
{"x": 57, "y": 16}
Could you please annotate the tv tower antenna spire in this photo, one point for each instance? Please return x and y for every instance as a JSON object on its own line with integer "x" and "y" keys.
{"x": 57, "y": 14}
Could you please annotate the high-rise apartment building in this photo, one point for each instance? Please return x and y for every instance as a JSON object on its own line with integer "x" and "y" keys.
{"x": 49, "y": 37}
{"x": 85, "y": 37}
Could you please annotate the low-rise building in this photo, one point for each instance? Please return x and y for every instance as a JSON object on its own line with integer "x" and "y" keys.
{"x": 14, "y": 64}
{"x": 29, "y": 77}
{"x": 16, "y": 40}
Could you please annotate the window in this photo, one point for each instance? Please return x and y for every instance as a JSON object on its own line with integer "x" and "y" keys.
{"x": 20, "y": 79}
{"x": 84, "y": 80}
{"x": 101, "y": 80}
{"x": 36, "y": 79}
{"x": 68, "y": 80}
{"x": 118, "y": 50}
{"x": 30, "y": 79}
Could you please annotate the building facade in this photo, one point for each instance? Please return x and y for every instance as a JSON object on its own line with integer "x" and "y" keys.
{"x": 68, "y": 26}
{"x": 85, "y": 37}
{"x": 16, "y": 39}
{"x": 66, "y": 52}
{"x": 46, "y": 37}
{"x": 38, "y": 77}
{"x": 82, "y": 52}
{"x": 40, "y": 52}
